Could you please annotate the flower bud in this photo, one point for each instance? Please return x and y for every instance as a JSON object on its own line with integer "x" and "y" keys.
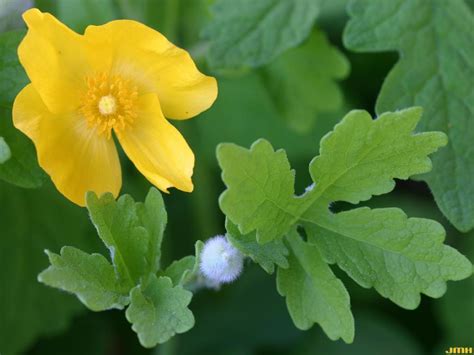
{"x": 220, "y": 262}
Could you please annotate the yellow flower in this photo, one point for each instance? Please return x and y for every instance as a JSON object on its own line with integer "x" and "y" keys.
{"x": 123, "y": 77}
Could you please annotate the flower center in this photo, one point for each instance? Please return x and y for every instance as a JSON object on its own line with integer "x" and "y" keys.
{"x": 107, "y": 105}
{"x": 110, "y": 102}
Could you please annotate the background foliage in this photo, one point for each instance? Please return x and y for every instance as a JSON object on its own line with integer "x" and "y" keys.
{"x": 291, "y": 93}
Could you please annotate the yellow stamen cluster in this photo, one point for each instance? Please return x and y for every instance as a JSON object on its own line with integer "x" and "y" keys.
{"x": 109, "y": 102}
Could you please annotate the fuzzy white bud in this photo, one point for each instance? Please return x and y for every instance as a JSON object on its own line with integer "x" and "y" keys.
{"x": 220, "y": 262}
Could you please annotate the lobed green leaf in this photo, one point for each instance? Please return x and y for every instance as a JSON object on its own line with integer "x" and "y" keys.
{"x": 131, "y": 231}
{"x": 182, "y": 271}
{"x": 89, "y": 276}
{"x": 400, "y": 257}
{"x": 313, "y": 293}
{"x": 158, "y": 311}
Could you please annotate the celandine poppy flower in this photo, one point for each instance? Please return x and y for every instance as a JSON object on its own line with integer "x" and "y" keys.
{"x": 123, "y": 77}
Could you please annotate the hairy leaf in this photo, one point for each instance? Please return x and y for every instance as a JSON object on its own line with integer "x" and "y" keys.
{"x": 313, "y": 293}
{"x": 158, "y": 311}
{"x": 382, "y": 248}
{"x": 267, "y": 255}
{"x": 435, "y": 41}
{"x": 22, "y": 168}
{"x": 252, "y": 33}
{"x": 90, "y": 276}
{"x": 303, "y": 84}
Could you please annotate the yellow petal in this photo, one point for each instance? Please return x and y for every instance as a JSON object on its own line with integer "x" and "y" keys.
{"x": 74, "y": 155}
{"x": 157, "y": 148}
{"x": 54, "y": 59}
{"x": 144, "y": 54}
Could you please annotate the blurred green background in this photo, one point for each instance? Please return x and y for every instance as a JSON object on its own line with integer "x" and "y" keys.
{"x": 247, "y": 317}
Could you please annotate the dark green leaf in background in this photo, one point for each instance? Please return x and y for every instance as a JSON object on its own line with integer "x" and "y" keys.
{"x": 252, "y": 33}
{"x": 31, "y": 221}
{"x": 436, "y": 71}
{"x": 456, "y": 308}
{"x": 22, "y": 168}
{"x": 247, "y": 317}
{"x": 302, "y": 81}
{"x": 376, "y": 334}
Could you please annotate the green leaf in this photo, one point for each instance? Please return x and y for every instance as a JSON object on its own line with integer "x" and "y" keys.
{"x": 435, "y": 41}
{"x": 90, "y": 276}
{"x": 267, "y": 255}
{"x": 260, "y": 190}
{"x": 179, "y": 269}
{"x": 400, "y": 257}
{"x": 118, "y": 226}
{"x": 313, "y": 293}
{"x": 303, "y": 84}
{"x": 31, "y": 221}
{"x": 5, "y": 152}
{"x": 182, "y": 271}
{"x": 361, "y": 157}
{"x": 132, "y": 231}
{"x": 153, "y": 218}
{"x": 22, "y": 168}
{"x": 252, "y": 33}
{"x": 158, "y": 311}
